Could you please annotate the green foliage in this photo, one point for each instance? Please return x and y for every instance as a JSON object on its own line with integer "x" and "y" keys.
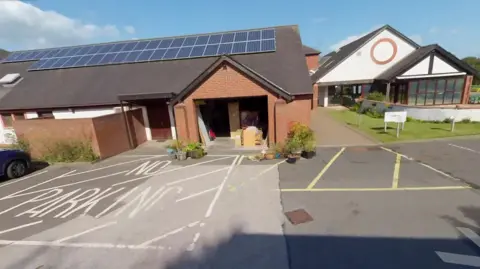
{"x": 376, "y": 96}
{"x": 69, "y": 151}
{"x": 447, "y": 120}
{"x": 193, "y": 146}
{"x": 298, "y": 137}
{"x": 355, "y": 107}
{"x": 475, "y": 63}
{"x": 309, "y": 146}
{"x": 466, "y": 120}
{"x": 22, "y": 144}
{"x": 374, "y": 113}
{"x": 176, "y": 145}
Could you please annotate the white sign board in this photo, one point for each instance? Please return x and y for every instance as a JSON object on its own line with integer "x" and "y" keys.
{"x": 395, "y": 116}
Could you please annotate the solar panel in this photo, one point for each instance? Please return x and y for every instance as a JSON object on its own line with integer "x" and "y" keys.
{"x": 150, "y": 50}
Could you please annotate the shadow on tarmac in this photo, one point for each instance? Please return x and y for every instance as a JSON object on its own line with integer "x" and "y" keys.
{"x": 261, "y": 251}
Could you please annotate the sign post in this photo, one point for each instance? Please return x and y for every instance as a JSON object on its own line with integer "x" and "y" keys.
{"x": 399, "y": 117}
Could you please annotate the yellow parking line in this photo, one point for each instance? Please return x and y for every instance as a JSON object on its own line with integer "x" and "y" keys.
{"x": 379, "y": 189}
{"x": 396, "y": 171}
{"x": 317, "y": 178}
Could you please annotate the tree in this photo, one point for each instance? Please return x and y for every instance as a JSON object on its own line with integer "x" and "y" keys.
{"x": 475, "y": 62}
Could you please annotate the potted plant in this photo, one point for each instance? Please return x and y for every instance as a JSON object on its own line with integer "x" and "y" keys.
{"x": 309, "y": 150}
{"x": 293, "y": 148}
{"x": 270, "y": 154}
{"x": 279, "y": 150}
{"x": 195, "y": 150}
{"x": 172, "y": 149}
{"x": 181, "y": 154}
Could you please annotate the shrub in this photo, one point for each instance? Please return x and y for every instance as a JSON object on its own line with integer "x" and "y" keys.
{"x": 355, "y": 107}
{"x": 301, "y": 133}
{"x": 69, "y": 151}
{"x": 374, "y": 113}
{"x": 376, "y": 96}
{"x": 293, "y": 145}
{"x": 22, "y": 144}
{"x": 466, "y": 120}
{"x": 447, "y": 120}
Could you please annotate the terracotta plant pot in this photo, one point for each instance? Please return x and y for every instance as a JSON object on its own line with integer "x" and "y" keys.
{"x": 270, "y": 156}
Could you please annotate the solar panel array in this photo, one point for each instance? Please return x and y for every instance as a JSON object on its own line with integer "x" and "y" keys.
{"x": 149, "y": 50}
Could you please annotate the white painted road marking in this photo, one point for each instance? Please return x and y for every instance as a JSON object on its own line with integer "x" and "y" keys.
{"x": 23, "y": 178}
{"x": 461, "y": 259}
{"x": 220, "y": 188}
{"x": 168, "y": 171}
{"x": 268, "y": 169}
{"x": 86, "y": 232}
{"x": 470, "y": 235}
{"x": 197, "y": 194}
{"x": 464, "y": 148}
{"x": 21, "y": 226}
{"x": 75, "y": 245}
{"x": 196, "y": 176}
{"x": 165, "y": 235}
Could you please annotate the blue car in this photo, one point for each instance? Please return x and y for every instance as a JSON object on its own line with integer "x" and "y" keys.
{"x": 14, "y": 163}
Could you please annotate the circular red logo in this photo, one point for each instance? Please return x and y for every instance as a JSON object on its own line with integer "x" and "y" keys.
{"x": 383, "y": 40}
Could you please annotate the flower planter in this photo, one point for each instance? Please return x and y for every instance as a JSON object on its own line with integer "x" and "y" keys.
{"x": 270, "y": 156}
{"x": 291, "y": 159}
{"x": 172, "y": 153}
{"x": 196, "y": 154}
{"x": 308, "y": 154}
{"x": 181, "y": 155}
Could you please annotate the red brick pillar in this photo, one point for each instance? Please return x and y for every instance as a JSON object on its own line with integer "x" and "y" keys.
{"x": 281, "y": 120}
{"x": 466, "y": 89}
{"x": 181, "y": 122}
{"x": 315, "y": 96}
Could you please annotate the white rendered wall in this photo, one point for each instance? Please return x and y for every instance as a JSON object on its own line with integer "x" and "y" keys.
{"x": 82, "y": 113}
{"x": 360, "y": 66}
{"x": 419, "y": 69}
{"x": 440, "y": 66}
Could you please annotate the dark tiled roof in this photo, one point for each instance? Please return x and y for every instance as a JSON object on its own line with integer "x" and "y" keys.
{"x": 418, "y": 55}
{"x": 101, "y": 85}
{"x": 338, "y": 56}
{"x": 309, "y": 51}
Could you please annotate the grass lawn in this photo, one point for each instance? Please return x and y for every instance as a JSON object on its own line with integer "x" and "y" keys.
{"x": 413, "y": 130}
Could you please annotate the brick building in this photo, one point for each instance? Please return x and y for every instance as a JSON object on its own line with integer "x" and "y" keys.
{"x": 175, "y": 82}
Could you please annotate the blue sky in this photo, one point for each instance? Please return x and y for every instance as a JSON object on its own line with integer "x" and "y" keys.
{"x": 323, "y": 24}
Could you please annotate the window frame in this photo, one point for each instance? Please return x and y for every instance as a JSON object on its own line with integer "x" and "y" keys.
{"x": 446, "y": 90}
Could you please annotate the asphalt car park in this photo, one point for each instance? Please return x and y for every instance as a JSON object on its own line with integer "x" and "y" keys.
{"x": 139, "y": 211}
{"x": 399, "y": 206}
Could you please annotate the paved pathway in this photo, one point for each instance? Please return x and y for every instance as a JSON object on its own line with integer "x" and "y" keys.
{"x": 330, "y": 132}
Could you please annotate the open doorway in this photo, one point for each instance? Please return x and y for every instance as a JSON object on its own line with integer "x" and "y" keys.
{"x": 230, "y": 117}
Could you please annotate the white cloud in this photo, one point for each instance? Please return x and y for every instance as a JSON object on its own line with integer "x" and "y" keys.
{"x": 434, "y": 30}
{"x": 351, "y": 38}
{"x": 319, "y": 20}
{"x": 24, "y": 26}
{"x": 130, "y": 29}
{"x": 417, "y": 38}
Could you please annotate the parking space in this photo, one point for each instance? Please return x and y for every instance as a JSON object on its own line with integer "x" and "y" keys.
{"x": 154, "y": 208}
{"x": 399, "y": 206}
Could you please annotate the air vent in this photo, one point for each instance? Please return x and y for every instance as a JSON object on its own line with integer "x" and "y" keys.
{"x": 10, "y": 80}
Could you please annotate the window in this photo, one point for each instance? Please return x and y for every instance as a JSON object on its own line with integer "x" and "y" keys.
{"x": 45, "y": 114}
{"x": 435, "y": 91}
{"x": 7, "y": 119}
{"x": 440, "y": 92}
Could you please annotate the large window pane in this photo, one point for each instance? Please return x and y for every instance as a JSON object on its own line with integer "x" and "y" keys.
{"x": 412, "y": 87}
{"x": 459, "y": 84}
{"x": 448, "y": 98}
{"x": 429, "y": 98}
{"x": 457, "y": 96}
{"x": 450, "y": 85}
{"x": 422, "y": 86}
{"x": 431, "y": 85}
{"x": 420, "y": 99}
{"x": 439, "y": 98}
{"x": 440, "y": 92}
{"x": 411, "y": 99}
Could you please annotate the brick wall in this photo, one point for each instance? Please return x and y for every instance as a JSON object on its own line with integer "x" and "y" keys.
{"x": 312, "y": 61}
{"x": 227, "y": 82}
{"x": 41, "y": 132}
{"x": 107, "y": 134}
{"x": 467, "y": 89}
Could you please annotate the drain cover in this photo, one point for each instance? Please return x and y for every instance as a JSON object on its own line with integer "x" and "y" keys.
{"x": 298, "y": 216}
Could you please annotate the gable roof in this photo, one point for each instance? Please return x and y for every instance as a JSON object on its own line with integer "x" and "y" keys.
{"x": 309, "y": 50}
{"x": 102, "y": 85}
{"x": 338, "y": 56}
{"x": 418, "y": 55}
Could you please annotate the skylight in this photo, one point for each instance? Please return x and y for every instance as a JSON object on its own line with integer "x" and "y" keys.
{"x": 9, "y": 78}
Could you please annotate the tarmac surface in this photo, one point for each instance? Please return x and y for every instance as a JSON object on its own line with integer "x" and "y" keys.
{"x": 412, "y": 205}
